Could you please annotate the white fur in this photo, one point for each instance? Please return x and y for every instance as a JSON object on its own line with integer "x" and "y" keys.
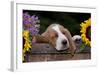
{"x": 76, "y": 37}
{"x": 60, "y": 38}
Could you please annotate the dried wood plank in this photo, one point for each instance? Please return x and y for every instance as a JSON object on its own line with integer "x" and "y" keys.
{"x": 45, "y": 52}
{"x": 59, "y": 57}
{"x": 43, "y": 48}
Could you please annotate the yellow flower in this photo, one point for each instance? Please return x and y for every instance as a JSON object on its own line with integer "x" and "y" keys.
{"x": 85, "y": 28}
{"x": 27, "y": 44}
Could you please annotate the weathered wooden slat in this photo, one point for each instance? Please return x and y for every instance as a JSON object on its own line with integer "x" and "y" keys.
{"x": 44, "y": 49}
{"x": 41, "y": 48}
{"x": 59, "y": 57}
{"x": 45, "y": 52}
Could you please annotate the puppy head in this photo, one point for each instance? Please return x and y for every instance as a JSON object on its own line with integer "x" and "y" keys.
{"x": 78, "y": 42}
{"x": 59, "y": 37}
{"x": 61, "y": 42}
{"x": 77, "y": 39}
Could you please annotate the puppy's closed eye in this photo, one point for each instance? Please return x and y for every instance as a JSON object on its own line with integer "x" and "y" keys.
{"x": 77, "y": 40}
{"x": 56, "y": 35}
{"x": 63, "y": 33}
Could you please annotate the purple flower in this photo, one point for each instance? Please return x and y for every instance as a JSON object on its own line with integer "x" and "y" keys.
{"x": 34, "y": 20}
{"x": 30, "y": 23}
{"x": 26, "y": 20}
{"x": 33, "y": 31}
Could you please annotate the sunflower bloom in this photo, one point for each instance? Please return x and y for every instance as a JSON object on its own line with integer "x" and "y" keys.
{"x": 86, "y": 31}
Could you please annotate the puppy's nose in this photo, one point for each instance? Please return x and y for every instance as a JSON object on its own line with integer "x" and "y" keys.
{"x": 64, "y": 42}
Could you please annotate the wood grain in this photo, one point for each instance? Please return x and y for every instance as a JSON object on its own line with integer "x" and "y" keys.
{"x": 45, "y": 52}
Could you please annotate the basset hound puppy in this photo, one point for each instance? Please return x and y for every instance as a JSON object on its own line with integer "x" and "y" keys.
{"x": 59, "y": 37}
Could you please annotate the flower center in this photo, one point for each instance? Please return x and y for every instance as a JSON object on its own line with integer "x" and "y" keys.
{"x": 88, "y": 33}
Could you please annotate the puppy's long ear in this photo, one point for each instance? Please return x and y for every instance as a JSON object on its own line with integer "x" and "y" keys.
{"x": 43, "y": 38}
{"x": 72, "y": 46}
{"x": 45, "y": 34}
{"x": 39, "y": 39}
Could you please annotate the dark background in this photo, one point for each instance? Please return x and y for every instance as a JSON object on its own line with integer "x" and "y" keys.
{"x": 70, "y": 20}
